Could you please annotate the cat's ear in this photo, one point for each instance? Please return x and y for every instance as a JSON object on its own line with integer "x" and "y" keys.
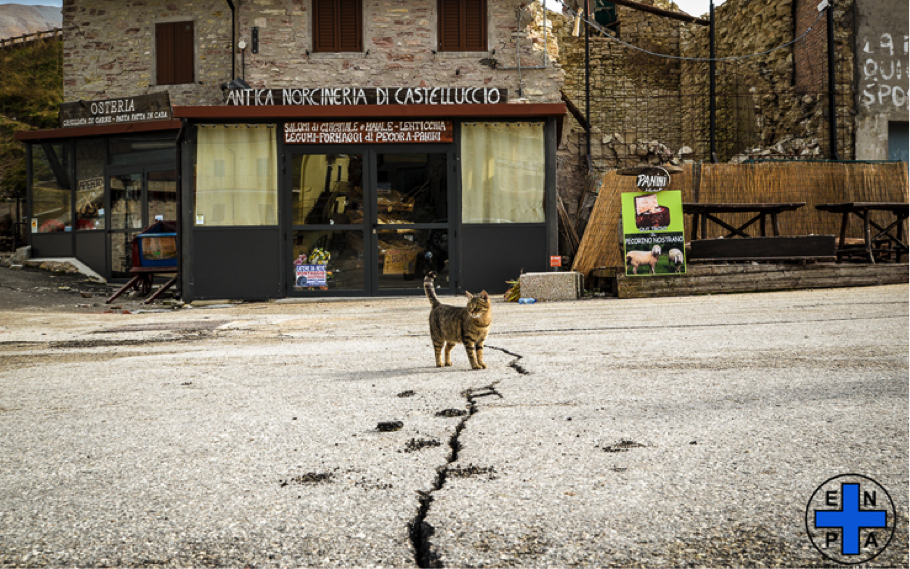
{"x": 484, "y": 295}
{"x": 468, "y": 294}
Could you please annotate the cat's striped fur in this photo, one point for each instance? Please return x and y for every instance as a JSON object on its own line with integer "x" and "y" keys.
{"x": 453, "y": 324}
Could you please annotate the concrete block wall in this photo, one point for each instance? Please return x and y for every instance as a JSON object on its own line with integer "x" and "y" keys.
{"x": 110, "y": 49}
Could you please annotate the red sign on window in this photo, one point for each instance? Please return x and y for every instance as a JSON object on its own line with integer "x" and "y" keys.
{"x": 555, "y": 261}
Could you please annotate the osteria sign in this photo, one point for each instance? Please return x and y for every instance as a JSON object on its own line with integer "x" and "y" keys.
{"x": 368, "y": 96}
{"x": 141, "y": 108}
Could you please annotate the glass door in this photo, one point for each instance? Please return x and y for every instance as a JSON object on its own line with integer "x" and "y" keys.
{"x": 138, "y": 198}
{"x": 411, "y": 221}
{"x": 329, "y": 216}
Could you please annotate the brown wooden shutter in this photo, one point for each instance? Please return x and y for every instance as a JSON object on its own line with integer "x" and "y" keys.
{"x": 164, "y": 53}
{"x": 462, "y": 25}
{"x": 174, "y": 53}
{"x": 475, "y": 25}
{"x": 324, "y": 25}
{"x": 183, "y": 52}
{"x": 349, "y": 19}
{"x": 337, "y": 25}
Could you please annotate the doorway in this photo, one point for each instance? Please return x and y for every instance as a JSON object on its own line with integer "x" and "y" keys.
{"x": 137, "y": 198}
{"x": 369, "y": 221}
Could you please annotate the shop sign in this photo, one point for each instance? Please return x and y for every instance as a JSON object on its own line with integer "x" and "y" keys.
{"x": 653, "y": 233}
{"x": 653, "y": 180}
{"x": 370, "y": 96}
{"x": 141, "y": 108}
{"x": 357, "y": 132}
{"x": 399, "y": 262}
{"x": 309, "y": 276}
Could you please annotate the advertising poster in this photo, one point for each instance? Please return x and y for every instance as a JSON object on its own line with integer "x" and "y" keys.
{"x": 399, "y": 262}
{"x": 309, "y": 276}
{"x": 653, "y": 233}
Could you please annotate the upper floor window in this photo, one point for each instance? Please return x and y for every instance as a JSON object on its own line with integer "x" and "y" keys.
{"x": 462, "y": 25}
{"x": 337, "y": 25}
{"x": 174, "y": 53}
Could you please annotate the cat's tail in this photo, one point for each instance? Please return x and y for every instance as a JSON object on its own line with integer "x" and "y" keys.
{"x": 428, "y": 288}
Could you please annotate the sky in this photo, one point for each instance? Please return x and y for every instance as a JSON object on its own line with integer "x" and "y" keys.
{"x": 58, "y": 3}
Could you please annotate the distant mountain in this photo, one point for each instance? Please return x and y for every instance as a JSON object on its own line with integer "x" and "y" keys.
{"x": 17, "y": 20}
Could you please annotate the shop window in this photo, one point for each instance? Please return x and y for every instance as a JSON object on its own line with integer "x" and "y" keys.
{"x": 462, "y": 25}
{"x": 337, "y": 25}
{"x": 174, "y": 53}
{"x": 502, "y": 170}
{"x": 231, "y": 188}
{"x": 90, "y": 185}
{"x": 142, "y": 149}
{"x": 51, "y": 188}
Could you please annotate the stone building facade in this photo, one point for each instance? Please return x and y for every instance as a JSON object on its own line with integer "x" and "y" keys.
{"x": 109, "y": 49}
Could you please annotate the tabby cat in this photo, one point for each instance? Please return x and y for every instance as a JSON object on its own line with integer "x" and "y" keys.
{"x": 452, "y": 324}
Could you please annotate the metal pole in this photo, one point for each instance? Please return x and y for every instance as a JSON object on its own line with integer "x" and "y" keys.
{"x": 713, "y": 88}
{"x": 832, "y": 88}
{"x": 587, "y": 85}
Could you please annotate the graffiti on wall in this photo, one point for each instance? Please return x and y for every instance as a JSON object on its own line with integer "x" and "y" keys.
{"x": 884, "y": 71}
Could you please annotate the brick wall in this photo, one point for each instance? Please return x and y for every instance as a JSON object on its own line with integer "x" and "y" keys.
{"x": 810, "y": 56}
{"x": 109, "y": 49}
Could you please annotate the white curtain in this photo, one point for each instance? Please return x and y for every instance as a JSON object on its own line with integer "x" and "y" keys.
{"x": 236, "y": 175}
{"x": 502, "y": 172}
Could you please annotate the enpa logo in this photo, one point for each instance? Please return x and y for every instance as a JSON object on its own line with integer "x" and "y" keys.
{"x": 850, "y": 519}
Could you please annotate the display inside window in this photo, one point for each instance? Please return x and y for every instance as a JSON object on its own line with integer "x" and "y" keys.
{"x": 51, "y": 189}
{"x": 406, "y": 256}
{"x": 236, "y": 182}
{"x": 90, "y": 214}
{"x": 126, "y": 201}
{"x": 328, "y": 260}
{"x": 502, "y": 172}
{"x": 411, "y": 188}
{"x": 327, "y": 189}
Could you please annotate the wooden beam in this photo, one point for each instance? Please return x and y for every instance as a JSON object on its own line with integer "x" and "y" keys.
{"x": 682, "y": 17}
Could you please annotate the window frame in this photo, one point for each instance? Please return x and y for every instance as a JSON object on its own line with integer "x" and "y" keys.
{"x": 170, "y": 72}
{"x": 337, "y": 31}
{"x": 462, "y": 46}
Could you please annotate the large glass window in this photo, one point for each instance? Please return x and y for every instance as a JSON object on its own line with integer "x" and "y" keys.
{"x": 236, "y": 175}
{"x": 51, "y": 188}
{"x": 162, "y": 196}
{"x": 327, "y": 189}
{"x": 142, "y": 148}
{"x": 89, "y": 184}
{"x": 502, "y": 171}
{"x": 126, "y": 201}
{"x": 411, "y": 188}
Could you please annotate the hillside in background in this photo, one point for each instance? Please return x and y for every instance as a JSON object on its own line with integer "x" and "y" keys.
{"x": 30, "y": 91}
{"x": 17, "y": 20}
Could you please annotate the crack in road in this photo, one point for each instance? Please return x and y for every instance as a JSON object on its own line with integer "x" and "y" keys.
{"x": 419, "y": 530}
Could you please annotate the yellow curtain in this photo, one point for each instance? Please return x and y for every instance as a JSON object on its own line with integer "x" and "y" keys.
{"x": 502, "y": 172}
{"x": 236, "y": 175}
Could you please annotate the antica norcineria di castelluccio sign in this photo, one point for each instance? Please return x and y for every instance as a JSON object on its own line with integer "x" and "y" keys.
{"x": 369, "y": 96}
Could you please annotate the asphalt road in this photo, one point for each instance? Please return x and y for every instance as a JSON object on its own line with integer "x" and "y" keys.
{"x": 669, "y": 432}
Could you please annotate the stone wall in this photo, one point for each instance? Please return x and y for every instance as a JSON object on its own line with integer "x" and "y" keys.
{"x": 110, "y": 49}
{"x": 882, "y": 66}
{"x": 650, "y": 109}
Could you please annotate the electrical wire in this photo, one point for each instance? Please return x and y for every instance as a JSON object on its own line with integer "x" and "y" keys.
{"x": 599, "y": 28}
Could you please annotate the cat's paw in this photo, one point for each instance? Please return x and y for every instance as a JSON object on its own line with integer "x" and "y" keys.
{"x": 484, "y": 366}
{"x": 448, "y": 364}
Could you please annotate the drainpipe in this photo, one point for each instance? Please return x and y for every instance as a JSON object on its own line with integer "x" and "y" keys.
{"x": 712, "y": 71}
{"x": 233, "y": 36}
{"x": 832, "y": 88}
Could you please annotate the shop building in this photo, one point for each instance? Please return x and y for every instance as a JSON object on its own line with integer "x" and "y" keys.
{"x": 361, "y": 144}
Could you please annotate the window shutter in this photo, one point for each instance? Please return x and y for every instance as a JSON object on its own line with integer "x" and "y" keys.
{"x": 183, "y": 52}
{"x": 475, "y": 25}
{"x": 462, "y": 25}
{"x": 449, "y": 25}
{"x": 349, "y": 19}
{"x": 324, "y": 25}
{"x": 164, "y": 52}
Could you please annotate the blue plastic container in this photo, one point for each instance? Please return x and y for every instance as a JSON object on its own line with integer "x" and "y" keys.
{"x": 526, "y": 301}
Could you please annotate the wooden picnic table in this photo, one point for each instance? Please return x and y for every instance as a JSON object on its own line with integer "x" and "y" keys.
{"x": 872, "y": 244}
{"x": 705, "y": 212}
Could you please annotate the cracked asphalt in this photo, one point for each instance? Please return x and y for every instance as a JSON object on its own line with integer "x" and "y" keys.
{"x": 666, "y": 432}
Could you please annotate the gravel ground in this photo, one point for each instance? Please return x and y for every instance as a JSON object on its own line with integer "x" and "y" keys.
{"x": 669, "y": 432}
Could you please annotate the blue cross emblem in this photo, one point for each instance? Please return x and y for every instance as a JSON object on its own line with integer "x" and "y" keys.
{"x": 850, "y": 519}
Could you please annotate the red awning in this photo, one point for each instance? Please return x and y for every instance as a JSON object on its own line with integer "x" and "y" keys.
{"x": 80, "y": 131}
